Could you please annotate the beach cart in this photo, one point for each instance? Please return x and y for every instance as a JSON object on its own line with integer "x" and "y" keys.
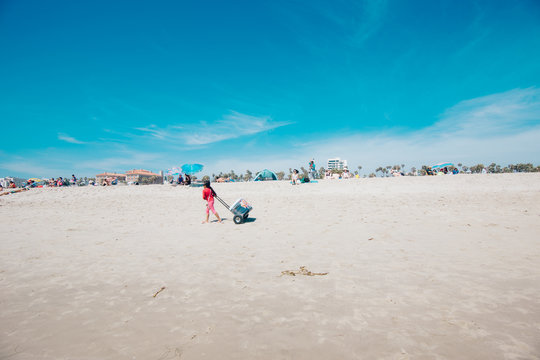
{"x": 240, "y": 209}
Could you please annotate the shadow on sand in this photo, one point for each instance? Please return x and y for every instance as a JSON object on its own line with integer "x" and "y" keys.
{"x": 248, "y": 220}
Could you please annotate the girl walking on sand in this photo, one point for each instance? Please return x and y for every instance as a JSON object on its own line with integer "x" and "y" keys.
{"x": 208, "y": 194}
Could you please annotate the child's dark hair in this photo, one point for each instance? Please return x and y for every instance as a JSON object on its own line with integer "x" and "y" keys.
{"x": 207, "y": 185}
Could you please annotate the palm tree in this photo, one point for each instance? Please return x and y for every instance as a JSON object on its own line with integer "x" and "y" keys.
{"x": 304, "y": 172}
{"x": 249, "y": 175}
{"x": 477, "y": 168}
{"x": 495, "y": 168}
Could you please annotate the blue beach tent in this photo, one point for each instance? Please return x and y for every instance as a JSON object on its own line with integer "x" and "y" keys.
{"x": 265, "y": 175}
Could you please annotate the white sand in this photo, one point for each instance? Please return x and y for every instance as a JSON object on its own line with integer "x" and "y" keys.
{"x": 440, "y": 267}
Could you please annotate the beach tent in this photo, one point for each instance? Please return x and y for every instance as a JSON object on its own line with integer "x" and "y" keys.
{"x": 265, "y": 175}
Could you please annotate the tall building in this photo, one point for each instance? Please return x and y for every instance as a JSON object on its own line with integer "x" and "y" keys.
{"x": 337, "y": 164}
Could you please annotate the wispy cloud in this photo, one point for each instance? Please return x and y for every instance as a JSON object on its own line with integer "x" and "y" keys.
{"x": 69, "y": 139}
{"x": 19, "y": 167}
{"x": 500, "y": 113}
{"x": 123, "y": 160}
{"x": 374, "y": 12}
{"x": 154, "y": 131}
{"x": 51, "y": 163}
{"x": 358, "y": 21}
{"x": 350, "y": 23}
{"x": 231, "y": 126}
{"x": 502, "y": 127}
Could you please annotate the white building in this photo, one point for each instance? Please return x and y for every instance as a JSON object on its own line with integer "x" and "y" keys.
{"x": 337, "y": 164}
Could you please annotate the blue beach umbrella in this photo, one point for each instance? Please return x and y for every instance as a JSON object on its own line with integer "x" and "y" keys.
{"x": 441, "y": 165}
{"x": 191, "y": 169}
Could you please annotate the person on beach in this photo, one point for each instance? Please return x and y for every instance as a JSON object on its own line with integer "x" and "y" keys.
{"x": 180, "y": 180}
{"x": 73, "y": 179}
{"x": 12, "y": 185}
{"x": 312, "y": 169}
{"x": 188, "y": 180}
{"x": 208, "y": 194}
{"x": 294, "y": 177}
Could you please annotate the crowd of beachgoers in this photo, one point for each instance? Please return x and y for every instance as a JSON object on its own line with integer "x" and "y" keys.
{"x": 12, "y": 186}
{"x": 311, "y": 174}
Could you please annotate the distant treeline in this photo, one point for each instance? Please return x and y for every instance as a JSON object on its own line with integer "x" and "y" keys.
{"x": 494, "y": 168}
{"x": 385, "y": 171}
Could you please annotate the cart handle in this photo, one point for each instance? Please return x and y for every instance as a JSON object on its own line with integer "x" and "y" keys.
{"x": 223, "y": 202}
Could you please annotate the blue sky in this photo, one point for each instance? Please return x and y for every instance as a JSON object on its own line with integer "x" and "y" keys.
{"x": 96, "y": 86}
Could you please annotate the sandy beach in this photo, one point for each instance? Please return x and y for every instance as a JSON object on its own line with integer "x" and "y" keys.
{"x": 443, "y": 267}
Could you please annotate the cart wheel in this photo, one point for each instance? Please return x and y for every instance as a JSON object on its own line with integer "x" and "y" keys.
{"x": 246, "y": 215}
{"x": 238, "y": 219}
